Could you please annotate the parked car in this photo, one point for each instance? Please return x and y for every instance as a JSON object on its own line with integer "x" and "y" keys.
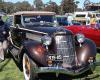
{"x": 62, "y": 20}
{"x": 81, "y": 17}
{"x": 41, "y": 50}
{"x": 76, "y": 23}
{"x": 88, "y": 31}
{"x": 98, "y": 17}
{"x": 9, "y": 20}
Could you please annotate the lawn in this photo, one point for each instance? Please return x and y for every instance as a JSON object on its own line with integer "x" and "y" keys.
{"x": 9, "y": 71}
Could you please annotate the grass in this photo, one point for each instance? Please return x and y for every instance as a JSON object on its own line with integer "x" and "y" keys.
{"x": 9, "y": 71}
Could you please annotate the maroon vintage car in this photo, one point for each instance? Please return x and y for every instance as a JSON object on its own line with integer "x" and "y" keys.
{"x": 90, "y": 32}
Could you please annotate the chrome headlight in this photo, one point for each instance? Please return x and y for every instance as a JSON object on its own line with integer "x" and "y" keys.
{"x": 46, "y": 40}
{"x": 80, "y": 37}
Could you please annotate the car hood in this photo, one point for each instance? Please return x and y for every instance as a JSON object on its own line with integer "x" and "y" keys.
{"x": 48, "y": 30}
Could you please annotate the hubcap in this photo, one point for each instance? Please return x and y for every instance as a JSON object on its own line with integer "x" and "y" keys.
{"x": 26, "y": 67}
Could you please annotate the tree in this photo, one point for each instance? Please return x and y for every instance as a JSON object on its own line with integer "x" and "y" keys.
{"x": 1, "y": 1}
{"x": 1, "y": 5}
{"x": 68, "y": 6}
{"x": 38, "y": 4}
{"x": 9, "y": 7}
{"x": 51, "y": 6}
{"x": 77, "y": 2}
{"x": 22, "y": 6}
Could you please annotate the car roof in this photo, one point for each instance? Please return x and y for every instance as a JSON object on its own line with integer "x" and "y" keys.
{"x": 61, "y": 16}
{"x": 34, "y": 13}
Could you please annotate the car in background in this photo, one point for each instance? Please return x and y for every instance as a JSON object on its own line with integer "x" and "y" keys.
{"x": 81, "y": 17}
{"x": 98, "y": 17}
{"x": 76, "y": 23}
{"x": 88, "y": 31}
{"x": 9, "y": 20}
{"x": 41, "y": 50}
{"x": 62, "y": 20}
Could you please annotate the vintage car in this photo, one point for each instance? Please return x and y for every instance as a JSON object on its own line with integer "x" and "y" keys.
{"x": 92, "y": 33}
{"x": 42, "y": 50}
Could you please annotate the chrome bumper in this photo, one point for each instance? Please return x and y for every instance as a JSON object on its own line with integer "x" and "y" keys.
{"x": 59, "y": 70}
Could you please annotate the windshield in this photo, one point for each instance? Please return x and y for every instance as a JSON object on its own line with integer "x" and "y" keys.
{"x": 82, "y": 15}
{"x": 38, "y": 20}
{"x": 97, "y": 15}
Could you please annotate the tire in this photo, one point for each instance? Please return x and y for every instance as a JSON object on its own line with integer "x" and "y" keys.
{"x": 28, "y": 66}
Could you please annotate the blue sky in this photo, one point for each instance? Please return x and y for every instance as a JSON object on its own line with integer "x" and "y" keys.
{"x": 57, "y": 1}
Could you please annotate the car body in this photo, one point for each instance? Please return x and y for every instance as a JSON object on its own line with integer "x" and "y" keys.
{"x": 88, "y": 31}
{"x": 40, "y": 49}
{"x": 81, "y": 17}
{"x": 62, "y": 20}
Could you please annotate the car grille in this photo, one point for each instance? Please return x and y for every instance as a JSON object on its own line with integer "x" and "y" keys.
{"x": 65, "y": 47}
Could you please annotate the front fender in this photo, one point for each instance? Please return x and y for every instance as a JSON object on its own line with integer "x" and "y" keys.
{"x": 39, "y": 58}
{"x": 86, "y": 51}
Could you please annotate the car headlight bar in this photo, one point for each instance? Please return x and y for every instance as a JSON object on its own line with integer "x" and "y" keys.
{"x": 80, "y": 38}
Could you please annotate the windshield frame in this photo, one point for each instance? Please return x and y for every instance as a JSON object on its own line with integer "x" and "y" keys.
{"x": 38, "y": 23}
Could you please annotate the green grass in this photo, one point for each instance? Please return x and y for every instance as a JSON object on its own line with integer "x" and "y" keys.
{"x": 9, "y": 71}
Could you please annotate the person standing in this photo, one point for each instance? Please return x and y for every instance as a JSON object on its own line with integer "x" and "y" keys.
{"x": 4, "y": 33}
{"x": 69, "y": 19}
{"x": 88, "y": 20}
{"x": 93, "y": 21}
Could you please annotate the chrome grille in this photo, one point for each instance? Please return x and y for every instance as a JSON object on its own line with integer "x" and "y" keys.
{"x": 65, "y": 47}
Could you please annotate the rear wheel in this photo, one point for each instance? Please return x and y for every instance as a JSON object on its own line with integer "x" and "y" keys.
{"x": 28, "y": 66}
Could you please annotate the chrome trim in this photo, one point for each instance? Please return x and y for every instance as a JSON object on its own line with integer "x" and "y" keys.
{"x": 30, "y": 30}
{"x": 65, "y": 47}
{"x": 12, "y": 41}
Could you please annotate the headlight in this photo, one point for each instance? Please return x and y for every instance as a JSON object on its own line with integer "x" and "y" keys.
{"x": 80, "y": 38}
{"x": 46, "y": 40}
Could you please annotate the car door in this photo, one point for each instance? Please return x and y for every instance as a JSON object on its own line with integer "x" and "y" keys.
{"x": 16, "y": 37}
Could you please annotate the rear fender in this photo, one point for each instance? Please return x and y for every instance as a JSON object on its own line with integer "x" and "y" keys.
{"x": 86, "y": 51}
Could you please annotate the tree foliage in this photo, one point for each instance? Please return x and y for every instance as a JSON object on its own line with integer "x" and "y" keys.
{"x": 51, "y": 6}
{"x": 22, "y": 6}
{"x": 66, "y": 6}
{"x": 10, "y": 7}
{"x": 38, "y": 4}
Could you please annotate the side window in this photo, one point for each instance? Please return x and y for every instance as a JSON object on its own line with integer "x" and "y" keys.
{"x": 18, "y": 19}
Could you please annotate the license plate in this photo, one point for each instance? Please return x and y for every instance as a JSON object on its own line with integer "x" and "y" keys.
{"x": 55, "y": 57}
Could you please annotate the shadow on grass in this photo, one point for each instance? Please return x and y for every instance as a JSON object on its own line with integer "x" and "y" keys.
{"x": 2, "y": 66}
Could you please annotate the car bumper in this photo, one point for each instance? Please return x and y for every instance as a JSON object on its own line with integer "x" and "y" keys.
{"x": 65, "y": 71}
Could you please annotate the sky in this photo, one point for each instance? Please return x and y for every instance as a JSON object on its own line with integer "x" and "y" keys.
{"x": 80, "y": 5}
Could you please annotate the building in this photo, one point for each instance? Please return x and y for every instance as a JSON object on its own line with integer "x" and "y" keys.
{"x": 93, "y": 7}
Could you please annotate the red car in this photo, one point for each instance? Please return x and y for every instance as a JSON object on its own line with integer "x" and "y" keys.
{"x": 89, "y": 32}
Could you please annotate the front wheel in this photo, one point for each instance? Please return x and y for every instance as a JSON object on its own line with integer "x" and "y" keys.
{"x": 28, "y": 65}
